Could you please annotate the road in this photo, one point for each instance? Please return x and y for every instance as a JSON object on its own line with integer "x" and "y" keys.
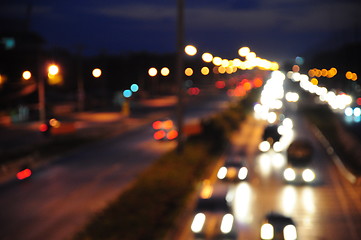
{"x": 330, "y": 209}
{"x": 61, "y": 196}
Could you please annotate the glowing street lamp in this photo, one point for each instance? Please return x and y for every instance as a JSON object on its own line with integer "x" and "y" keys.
{"x": 53, "y": 69}
{"x": 207, "y": 57}
{"x": 26, "y": 75}
{"x": 97, "y": 72}
{"x": 164, "y": 71}
{"x": 152, "y": 72}
{"x": 190, "y": 50}
{"x": 244, "y": 51}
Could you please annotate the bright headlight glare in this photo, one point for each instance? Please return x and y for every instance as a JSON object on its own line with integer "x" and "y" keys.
{"x": 227, "y": 223}
{"x": 222, "y": 173}
{"x": 198, "y": 222}
{"x": 267, "y": 231}
{"x": 289, "y": 174}
{"x": 242, "y": 174}
{"x": 277, "y": 147}
{"x": 308, "y": 175}
{"x": 264, "y": 146}
{"x": 289, "y": 232}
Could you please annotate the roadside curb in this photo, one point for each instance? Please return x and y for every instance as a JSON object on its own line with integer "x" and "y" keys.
{"x": 352, "y": 178}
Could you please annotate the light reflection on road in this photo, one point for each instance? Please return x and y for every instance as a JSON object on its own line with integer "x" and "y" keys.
{"x": 242, "y": 203}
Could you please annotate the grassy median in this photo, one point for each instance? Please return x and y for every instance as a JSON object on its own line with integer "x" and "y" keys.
{"x": 149, "y": 207}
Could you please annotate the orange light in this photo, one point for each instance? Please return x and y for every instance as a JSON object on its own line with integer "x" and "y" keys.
{"x": 173, "y": 134}
{"x": 23, "y": 174}
{"x": 258, "y": 82}
{"x": 247, "y": 86}
{"x": 167, "y": 124}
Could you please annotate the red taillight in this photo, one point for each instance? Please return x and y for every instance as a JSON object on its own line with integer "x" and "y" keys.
{"x": 23, "y": 174}
{"x": 158, "y": 135}
{"x": 157, "y": 125}
{"x": 43, "y": 127}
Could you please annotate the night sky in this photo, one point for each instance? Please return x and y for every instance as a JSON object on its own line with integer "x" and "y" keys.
{"x": 274, "y": 29}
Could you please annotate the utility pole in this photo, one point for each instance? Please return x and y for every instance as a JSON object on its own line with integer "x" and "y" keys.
{"x": 179, "y": 73}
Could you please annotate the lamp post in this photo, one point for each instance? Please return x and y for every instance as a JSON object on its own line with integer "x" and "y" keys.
{"x": 179, "y": 73}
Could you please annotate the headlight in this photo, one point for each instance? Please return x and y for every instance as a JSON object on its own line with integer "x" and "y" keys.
{"x": 222, "y": 173}
{"x": 227, "y": 223}
{"x": 289, "y": 174}
{"x": 198, "y": 222}
{"x": 290, "y": 233}
{"x": 242, "y": 174}
{"x": 277, "y": 147}
{"x": 264, "y": 146}
{"x": 308, "y": 175}
{"x": 267, "y": 231}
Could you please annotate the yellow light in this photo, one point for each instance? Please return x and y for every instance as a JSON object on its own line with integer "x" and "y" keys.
{"x": 97, "y": 72}
{"x": 189, "y": 72}
{"x": 26, "y": 75}
{"x": 251, "y": 56}
{"x": 275, "y": 66}
{"x": 205, "y": 70}
{"x": 229, "y": 70}
{"x": 354, "y": 77}
{"x": 207, "y": 57}
{"x": 314, "y": 81}
{"x": 152, "y": 72}
{"x": 217, "y": 61}
{"x": 243, "y": 51}
{"x": 53, "y": 69}
{"x": 164, "y": 71}
{"x": 221, "y": 69}
{"x": 225, "y": 63}
{"x": 190, "y": 50}
{"x": 349, "y": 75}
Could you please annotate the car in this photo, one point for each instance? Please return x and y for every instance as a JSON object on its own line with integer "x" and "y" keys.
{"x": 270, "y": 138}
{"x": 278, "y": 227}
{"x": 233, "y": 171}
{"x": 164, "y": 130}
{"x": 213, "y": 218}
{"x": 299, "y": 159}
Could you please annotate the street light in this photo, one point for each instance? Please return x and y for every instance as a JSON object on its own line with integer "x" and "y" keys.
{"x": 26, "y": 75}
{"x": 97, "y": 72}
{"x": 190, "y": 50}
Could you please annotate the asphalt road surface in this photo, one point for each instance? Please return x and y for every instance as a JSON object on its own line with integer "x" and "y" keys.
{"x": 328, "y": 209}
{"x": 61, "y": 196}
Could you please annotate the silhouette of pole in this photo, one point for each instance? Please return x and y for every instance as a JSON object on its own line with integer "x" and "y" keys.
{"x": 179, "y": 73}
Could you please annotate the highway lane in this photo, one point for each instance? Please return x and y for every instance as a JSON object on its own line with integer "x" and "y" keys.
{"x": 330, "y": 209}
{"x": 61, "y": 196}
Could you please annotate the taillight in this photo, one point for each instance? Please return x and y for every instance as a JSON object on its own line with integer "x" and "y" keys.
{"x": 23, "y": 174}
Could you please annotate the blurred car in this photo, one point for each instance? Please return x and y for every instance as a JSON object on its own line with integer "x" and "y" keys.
{"x": 270, "y": 138}
{"x": 164, "y": 130}
{"x": 278, "y": 227}
{"x": 233, "y": 171}
{"x": 213, "y": 218}
{"x": 299, "y": 158}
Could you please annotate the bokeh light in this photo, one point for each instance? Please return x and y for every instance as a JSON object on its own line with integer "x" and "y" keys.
{"x": 97, "y": 72}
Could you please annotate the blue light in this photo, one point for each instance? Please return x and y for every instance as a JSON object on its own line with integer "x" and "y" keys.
{"x": 134, "y": 87}
{"x": 127, "y": 93}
